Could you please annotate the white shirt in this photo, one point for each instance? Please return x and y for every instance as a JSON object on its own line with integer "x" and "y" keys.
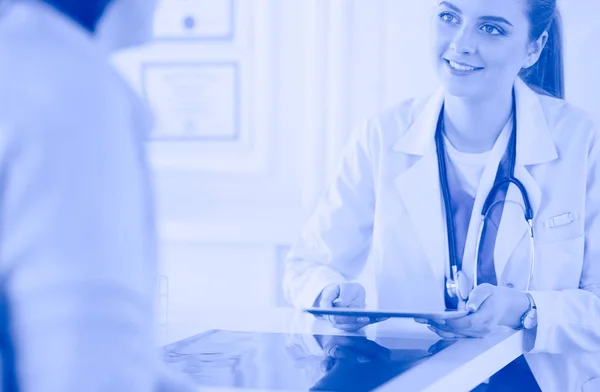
{"x": 77, "y": 241}
{"x": 469, "y": 166}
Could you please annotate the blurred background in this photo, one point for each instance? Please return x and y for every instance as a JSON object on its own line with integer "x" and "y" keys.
{"x": 254, "y": 100}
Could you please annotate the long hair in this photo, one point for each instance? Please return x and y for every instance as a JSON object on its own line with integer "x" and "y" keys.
{"x": 546, "y": 76}
{"x": 85, "y": 12}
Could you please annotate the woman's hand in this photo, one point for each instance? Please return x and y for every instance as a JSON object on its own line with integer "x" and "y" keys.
{"x": 349, "y": 295}
{"x": 489, "y": 307}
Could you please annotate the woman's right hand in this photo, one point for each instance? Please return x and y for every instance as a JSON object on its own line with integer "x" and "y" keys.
{"x": 348, "y": 295}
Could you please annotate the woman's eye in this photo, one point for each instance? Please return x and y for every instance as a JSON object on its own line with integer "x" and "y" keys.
{"x": 446, "y": 17}
{"x": 492, "y": 30}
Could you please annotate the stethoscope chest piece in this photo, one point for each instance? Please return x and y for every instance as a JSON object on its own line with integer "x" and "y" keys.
{"x": 458, "y": 287}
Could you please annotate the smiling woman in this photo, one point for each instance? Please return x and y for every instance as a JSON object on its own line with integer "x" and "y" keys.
{"x": 484, "y": 165}
{"x": 501, "y": 35}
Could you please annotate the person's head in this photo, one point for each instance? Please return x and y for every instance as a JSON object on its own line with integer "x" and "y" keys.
{"x": 86, "y": 13}
{"x": 121, "y": 22}
{"x": 481, "y": 47}
{"x": 128, "y": 23}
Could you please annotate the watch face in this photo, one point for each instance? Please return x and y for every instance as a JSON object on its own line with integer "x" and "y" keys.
{"x": 530, "y": 319}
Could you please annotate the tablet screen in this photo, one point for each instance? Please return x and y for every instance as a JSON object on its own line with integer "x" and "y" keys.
{"x": 382, "y": 313}
{"x": 277, "y": 361}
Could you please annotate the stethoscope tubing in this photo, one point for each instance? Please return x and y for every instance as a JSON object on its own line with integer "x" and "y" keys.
{"x": 454, "y": 285}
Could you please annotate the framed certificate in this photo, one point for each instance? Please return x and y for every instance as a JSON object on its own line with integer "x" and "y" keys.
{"x": 193, "y": 100}
{"x": 195, "y": 19}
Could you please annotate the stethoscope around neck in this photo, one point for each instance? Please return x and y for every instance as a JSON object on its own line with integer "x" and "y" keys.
{"x": 457, "y": 285}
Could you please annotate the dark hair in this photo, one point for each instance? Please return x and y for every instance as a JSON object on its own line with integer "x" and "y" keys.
{"x": 85, "y": 12}
{"x": 547, "y": 75}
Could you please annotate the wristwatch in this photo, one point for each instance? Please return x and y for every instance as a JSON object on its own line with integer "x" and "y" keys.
{"x": 529, "y": 319}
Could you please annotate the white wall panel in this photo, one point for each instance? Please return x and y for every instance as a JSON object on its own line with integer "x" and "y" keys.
{"x": 582, "y": 58}
{"x": 220, "y": 274}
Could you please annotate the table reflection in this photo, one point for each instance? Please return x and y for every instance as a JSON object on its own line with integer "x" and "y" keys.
{"x": 278, "y": 361}
{"x": 360, "y": 364}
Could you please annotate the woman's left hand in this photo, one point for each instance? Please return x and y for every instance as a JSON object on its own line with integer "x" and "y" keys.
{"x": 489, "y": 306}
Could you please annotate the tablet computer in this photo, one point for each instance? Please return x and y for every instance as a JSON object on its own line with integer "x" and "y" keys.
{"x": 380, "y": 313}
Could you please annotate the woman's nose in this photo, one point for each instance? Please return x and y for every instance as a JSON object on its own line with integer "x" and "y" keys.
{"x": 463, "y": 42}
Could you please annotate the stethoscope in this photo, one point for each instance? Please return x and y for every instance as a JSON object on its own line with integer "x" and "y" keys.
{"x": 457, "y": 285}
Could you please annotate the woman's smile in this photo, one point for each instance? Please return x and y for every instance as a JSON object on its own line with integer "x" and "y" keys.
{"x": 461, "y": 68}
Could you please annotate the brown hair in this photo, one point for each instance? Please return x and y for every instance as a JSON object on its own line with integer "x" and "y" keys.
{"x": 547, "y": 75}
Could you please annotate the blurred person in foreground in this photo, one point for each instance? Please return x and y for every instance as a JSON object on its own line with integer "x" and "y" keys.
{"x": 77, "y": 241}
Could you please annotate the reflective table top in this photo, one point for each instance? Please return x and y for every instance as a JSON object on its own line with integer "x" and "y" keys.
{"x": 277, "y": 349}
{"x": 280, "y": 361}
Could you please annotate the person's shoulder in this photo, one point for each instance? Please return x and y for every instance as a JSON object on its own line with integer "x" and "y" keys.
{"x": 52, "y": 91}
{"x": 393, "y": 121}
{"x": 559, "y": 111}
{"x": 45, "y": 81}
{"x": 568, "y": 121}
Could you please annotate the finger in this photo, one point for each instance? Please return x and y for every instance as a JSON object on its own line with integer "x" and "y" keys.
{"x": 349, "y": 320}
{"x": 478, "y": 296}
{"x": 352, "y": 294}
{"x": 471, "y": 333}
{"x": 451, "y": 334}
{"x": 442, "y": 327}
{"x": 473, "y": 321}
{"x": 476, "y": 331}
{"x": 353, "y": 323}
{"x": 434, "y": 320}
{"x": 348, "y": 323}
{"x": 329, "y": 295}
{"x": 353, "y": 327}
{"x": 374, "y": 320}
{"x": 445, "y": 334}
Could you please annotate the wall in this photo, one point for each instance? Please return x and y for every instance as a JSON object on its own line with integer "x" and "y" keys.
{"x": 311, "y": 70}
{"x": 582, "y": 79}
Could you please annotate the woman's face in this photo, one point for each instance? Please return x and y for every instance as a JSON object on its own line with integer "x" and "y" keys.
{"x": 480, "y": 45}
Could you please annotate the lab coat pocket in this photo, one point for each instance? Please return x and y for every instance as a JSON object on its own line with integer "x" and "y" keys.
{"x": 559, "y": 228}
{"x": 592, "y": 385}
{"x": 558, "y": 254}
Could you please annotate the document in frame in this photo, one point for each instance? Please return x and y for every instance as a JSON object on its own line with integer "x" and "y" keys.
{"x": 193, "y": 100}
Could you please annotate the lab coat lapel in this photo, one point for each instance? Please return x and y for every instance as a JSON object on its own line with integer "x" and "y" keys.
{"x": 535, "y": 146}
{"x": 419, "y": 185}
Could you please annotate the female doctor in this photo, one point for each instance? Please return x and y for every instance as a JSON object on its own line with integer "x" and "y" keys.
{"x": 77, "y": 251}
{"x": 484, "y": 194}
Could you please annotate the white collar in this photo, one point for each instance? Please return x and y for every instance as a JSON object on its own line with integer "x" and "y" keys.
{"x": 534, "y": 140}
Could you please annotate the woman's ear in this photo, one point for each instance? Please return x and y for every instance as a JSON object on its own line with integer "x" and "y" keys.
{"x": 535, "y": 50}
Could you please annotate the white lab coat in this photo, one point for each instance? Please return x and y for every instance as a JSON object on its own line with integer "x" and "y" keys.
{"x": 77, "y": 245}
{"x": 384, "y": 207}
